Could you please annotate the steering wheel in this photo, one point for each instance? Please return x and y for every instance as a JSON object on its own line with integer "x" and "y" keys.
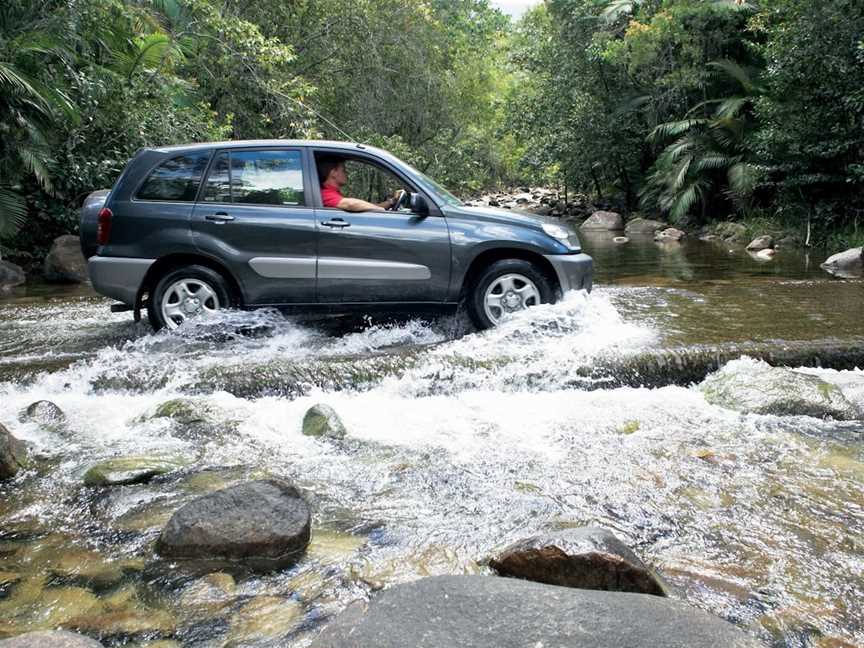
{"x": 401, "y": 201}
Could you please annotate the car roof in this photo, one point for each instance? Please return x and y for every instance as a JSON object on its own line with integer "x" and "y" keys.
{"x": 347, "y": 146}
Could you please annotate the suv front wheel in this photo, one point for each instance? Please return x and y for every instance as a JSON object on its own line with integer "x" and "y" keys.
{"x": 185, "y": 293}
{"x": 505, "y": 287}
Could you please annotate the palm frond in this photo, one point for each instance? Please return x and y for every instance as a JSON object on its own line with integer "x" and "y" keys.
{"x": 730, "y": 107}
{"x": 672, "y": 129}
{"x": 743, "y": 179}
{"x": 13, "y": 212}
{"x": 36, "y": 163}
{"x": 738, "y": 72}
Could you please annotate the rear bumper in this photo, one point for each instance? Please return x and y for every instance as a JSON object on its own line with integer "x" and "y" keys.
{"x": 118, "y": 277}
{"x": 575, "y": 271}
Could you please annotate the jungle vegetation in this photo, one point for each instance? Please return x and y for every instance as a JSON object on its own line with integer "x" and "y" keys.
{"x": 690, "y": 110}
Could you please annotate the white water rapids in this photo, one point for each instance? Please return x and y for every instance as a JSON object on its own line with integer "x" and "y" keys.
{"x": 758, "y": 519}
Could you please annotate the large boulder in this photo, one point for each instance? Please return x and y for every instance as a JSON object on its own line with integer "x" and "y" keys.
{"x": 13, "y": 454}
{"x": 50, "y": 639}
{"x": 263, "y": 524}
{"x": 765, "y": 242}
{"x": 587, "y": 558}
{"x": 848, "y": 264}
{"x": 65, "y": 262}
{"x": 753, "y": 386}
{"x": 644, "y": 226}
{"x": 604, "y": 220}
{"x": 485, "y": 611}
{"x": 322, "y": 421}
{"x": 10, "y": 275}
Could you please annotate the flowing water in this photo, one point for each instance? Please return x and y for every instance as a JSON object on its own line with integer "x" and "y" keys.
{"x": 458, "y": 443}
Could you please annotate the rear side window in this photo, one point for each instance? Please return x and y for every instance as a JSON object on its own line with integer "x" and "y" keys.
{"x": 175, "y": 180}
{"x": 256, "y": 178}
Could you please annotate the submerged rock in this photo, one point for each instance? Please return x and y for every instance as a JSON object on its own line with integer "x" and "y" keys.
{"x": 752, "y": 386}
{"x": 264, "y": 524}
{"x": 65, "y": 262}
{"x": 264, "y": 618}
{"x": 434, "y": 560}
{"x": 130, "y": 470}
{"x": 761, "y": 243}
{"x": 603, "y": 220}
{"x": 45, "y": 413}
{"x": 322, "y": 421}
{"x": 587, "y": 558}
{"x": 13, "y": 454}
{"x": 50, "y": 639}
{"x": 644, "y": 226}
{"x": 848, "y": 264}
{"x": 479, "y": 611}
{"x": 11, "y": 275}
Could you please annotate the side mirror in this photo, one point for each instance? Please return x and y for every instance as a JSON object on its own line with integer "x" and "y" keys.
{"x": 419, "y": 205}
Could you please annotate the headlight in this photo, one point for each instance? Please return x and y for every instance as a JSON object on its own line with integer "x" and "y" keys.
{"x": 556, "y": 231}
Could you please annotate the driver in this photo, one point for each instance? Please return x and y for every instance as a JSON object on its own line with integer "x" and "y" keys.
{"x": 331, "y": 172}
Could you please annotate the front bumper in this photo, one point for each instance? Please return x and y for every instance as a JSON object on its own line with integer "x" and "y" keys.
{"x": 574, "y": 271}
{"x": 118, "y": 277}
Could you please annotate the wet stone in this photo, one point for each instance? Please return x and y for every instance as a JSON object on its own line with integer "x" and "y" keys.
{"x": 761, "y": 243}
{"x": 45, "y": 413}
{"x": 478, "y": 611}
{"x": 50, "y": 639}
{"x": 604, "y": 221}
{"x": 753, "y": 386}
{"x": 13, "y": 454}
{"x": 264, "y": 524}
{"x": 264, "y": 618}
{"x": 643, "y": 226}
{"x": 322, "y": 421}
{"x": 130, "y": 470}
{"x": 587, "y": 558}
{"x": 434, "y": 560}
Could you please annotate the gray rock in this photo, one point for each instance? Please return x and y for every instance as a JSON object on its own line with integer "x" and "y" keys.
{"x": 322, "y": 421}
{"x": 643, "y": 226}
{"x": 587, "y": 558}
{"x": 263, "y": 524}
{"x": 65, "y": 262}
{"x": 50, "y": 639}
{"x": 670, "y": 234}
{"x": 484, "y": 611}
{"x": 761, "y": 243}
{"x": 604, "y": 220}
{"x": 130, "y": 470}
{"x": 753, "y": 386}
{"x": 848, "y": 264}
{"x": 13, "y": 454}
{"x": 44, "y": 412}
{"x": 541, "y": 210}
{"x": 10, "y": 275}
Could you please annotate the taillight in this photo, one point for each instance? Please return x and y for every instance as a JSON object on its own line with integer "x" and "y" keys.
{"x": 103, "y": 228}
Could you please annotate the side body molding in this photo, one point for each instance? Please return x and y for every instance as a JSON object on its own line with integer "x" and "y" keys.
{"x": 338, "y": 268}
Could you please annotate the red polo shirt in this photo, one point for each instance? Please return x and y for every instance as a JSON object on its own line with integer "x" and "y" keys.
{"x": 330, "y": 196}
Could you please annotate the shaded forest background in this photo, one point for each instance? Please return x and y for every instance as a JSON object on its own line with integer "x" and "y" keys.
{"x": 691, "y": 110}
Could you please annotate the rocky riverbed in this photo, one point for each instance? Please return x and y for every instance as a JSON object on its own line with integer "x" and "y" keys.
{"x": 610, "y": 441}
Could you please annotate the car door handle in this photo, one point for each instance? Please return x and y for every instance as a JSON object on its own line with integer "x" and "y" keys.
{"x": 219, "y": 217}
{"x": 336, "y": 222}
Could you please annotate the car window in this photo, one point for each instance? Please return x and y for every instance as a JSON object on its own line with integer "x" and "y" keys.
{"x": 256, "y": 178}
{"x": 267, "y": 177}
{"x": 370, "y": 182}
{"x": 218, "y": 186}
{"x": 175, "y": 180}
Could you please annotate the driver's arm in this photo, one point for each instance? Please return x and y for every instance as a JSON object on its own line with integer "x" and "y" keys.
{"x": 357, "y": 205}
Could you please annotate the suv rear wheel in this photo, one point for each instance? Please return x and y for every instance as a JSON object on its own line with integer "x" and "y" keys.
{"x": 504, "y": 287}
{"x": 185, "y": 293}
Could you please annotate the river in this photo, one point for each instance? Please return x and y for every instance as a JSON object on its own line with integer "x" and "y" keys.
{"x": 458, "y": 443}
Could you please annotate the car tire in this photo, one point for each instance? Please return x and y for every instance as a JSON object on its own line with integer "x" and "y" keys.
{"x": 497, "y": 281}
{"x": 187, "y": 292}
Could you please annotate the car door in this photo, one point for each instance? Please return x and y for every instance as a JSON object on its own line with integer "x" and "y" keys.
{"x": 381, "y": 256}
{"x": 253, "y": 215}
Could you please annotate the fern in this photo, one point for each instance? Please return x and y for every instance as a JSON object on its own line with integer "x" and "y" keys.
{"x": 13, "y": 212}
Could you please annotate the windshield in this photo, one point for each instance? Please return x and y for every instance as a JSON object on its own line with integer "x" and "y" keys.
{"x": 448, "y": 197}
